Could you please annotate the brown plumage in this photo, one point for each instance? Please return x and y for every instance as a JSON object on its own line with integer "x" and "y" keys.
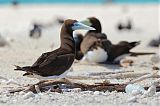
{"x": 92, "y": 36}
{"x": 58, "y": 61}
{"x": 78, "y": 38}
{"x": 96, "y": 38}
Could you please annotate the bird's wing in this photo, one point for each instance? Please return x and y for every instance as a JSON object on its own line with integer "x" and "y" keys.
{"x": 87, "y": 42}
{"x": 57, "y": 66}
{"x": 41, "y": 59}
{"x": 49, "y": 57}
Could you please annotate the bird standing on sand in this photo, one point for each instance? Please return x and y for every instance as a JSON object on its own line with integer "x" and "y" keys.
{"x": 55, "y": 64}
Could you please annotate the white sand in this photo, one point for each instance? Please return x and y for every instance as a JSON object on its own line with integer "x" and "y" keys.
{"x": 15, "y": 23}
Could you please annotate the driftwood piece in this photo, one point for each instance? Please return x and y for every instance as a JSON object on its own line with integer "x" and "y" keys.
{"x": 119, "y": 75}
{"x": 107, "y": 73}
{"x": 143, "y": 77}
{"x": 127, "y": 75}
{"x": 105, "y": 86}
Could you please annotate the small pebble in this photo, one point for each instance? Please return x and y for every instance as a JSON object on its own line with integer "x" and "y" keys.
{"x": 126, "y": 62}
{"x": 90, "y": 92}
{"x": 76, "y": 90}
{"x": 157, "y": 94}
{"x": 96, "y": 93}
{"x": 150, "y": 92}
{"x": 135, "y": 92}
{"x": 155, "y": 68}
{"x": 28, "y": 95}
{"x": 21, "y": 93}
{"x": 132, "y": 99}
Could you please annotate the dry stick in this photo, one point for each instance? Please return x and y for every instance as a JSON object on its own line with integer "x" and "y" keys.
{"x": 128, "y": 75}
{"x": 152, "y": 75}
{"x": 110, "y": 76}
{"x": 84, "y": 87}
{"x": 99, "y": 87}
{"x": 106, "y": 73}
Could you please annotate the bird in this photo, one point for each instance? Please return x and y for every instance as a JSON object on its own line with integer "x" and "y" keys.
{"x": 97, "y": 48}
{"x": 84, "y": 42}
{"x": 36, "y": 32}
{"x": 155, "y": 42}
{"x": 56, "y": 64}
{"x": 121, "y": 50}
{"x": 92, "y": 45}
{"x": 128, "y": 26}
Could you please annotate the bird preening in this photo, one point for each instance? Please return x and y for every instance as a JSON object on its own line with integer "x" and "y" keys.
{"x": 55, "y": 64}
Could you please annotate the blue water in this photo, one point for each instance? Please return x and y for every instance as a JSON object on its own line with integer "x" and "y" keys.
{"x": 79, "y": 1}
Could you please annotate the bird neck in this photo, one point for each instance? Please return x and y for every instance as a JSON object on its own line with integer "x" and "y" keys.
{"x": 67, "y": 40}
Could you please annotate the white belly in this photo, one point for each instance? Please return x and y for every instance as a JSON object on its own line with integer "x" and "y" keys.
{"x": 97, "y": 55}
{"x": 50, "y": 77}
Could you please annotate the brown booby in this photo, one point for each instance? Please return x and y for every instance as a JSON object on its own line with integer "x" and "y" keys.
{"x": 36, "y": 32}
{"x": 97, "y": 48}
{"x": 55, "y": 64}
{"x": 92, "y": 46}
{"x": 84, "y": 42}
{"x": 128, "y": 26}
{"x": 155, "y": 42}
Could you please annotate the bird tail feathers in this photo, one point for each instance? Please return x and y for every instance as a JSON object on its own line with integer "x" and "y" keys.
{"x": 27, "y": 68}
{"x": 141, "y": 53}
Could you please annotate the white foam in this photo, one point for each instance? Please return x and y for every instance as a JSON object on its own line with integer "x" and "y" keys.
{"x": 49, "y": 77}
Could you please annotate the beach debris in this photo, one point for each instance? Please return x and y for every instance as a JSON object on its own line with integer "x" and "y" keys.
{"x": 126, "y": 62}
{"x": 107, "y": 73}
{"x": 37, "y": 89}
{"x": 76, "y": 90}
{"x": 134, "y": 89}
{"x": 157, "y": 94}
{"x": 145, "y": 76}
{"x": 8, "y": 81}
{"x": 139, "y": 92}
{"x": 132, "y": 99}
{"x": 96, "y": 93}
{"x": 155, "y": 68}
{"x": 46, "y": 85}
{"x": 28, "y": 95}
{"x": 155, "y": 58}
{"x": 152, "y": 89}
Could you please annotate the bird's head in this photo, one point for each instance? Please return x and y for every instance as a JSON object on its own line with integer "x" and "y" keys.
{"x": 73, "y": 25}
{"x": 93, "y": 22}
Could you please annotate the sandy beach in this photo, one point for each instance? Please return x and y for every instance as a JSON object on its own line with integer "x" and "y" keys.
{"x": 15, "y": 24}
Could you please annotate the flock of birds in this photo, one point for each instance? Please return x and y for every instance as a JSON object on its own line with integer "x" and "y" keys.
{"x": 92, "y": 47}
